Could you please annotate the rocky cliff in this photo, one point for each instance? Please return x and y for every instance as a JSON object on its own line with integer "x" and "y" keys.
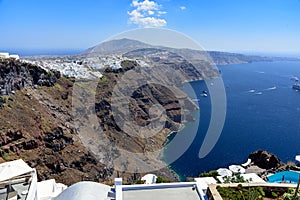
{"x": 16, "y": 75}
{"x": 124, "y": 102}
{"x": 37, "y": 124}
{"x": 265, "y": 159}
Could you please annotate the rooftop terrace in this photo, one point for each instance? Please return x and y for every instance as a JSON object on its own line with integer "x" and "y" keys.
{"x": 162, "y": 193}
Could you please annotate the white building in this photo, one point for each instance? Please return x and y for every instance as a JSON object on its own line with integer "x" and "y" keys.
{"x": 4, "y": 55}
{"x": 19, "y": 181}
{"x": 174, "y": 191}
{"x": 15, "y": 56}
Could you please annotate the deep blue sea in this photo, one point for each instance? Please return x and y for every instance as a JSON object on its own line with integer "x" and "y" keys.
{"x": 43, "y": 52}
{"x": 263, "y": 112}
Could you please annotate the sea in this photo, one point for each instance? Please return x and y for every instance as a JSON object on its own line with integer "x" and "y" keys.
{"x": 263, "y": 113}
{"x": 43, "y": 52}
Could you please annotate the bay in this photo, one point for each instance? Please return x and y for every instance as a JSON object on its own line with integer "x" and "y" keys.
{"x": 263, "y": 112}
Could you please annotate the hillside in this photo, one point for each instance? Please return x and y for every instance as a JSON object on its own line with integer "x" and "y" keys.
{"x": 125, "y": 46}
{"x": 116, "y": 47}
{"x": 37, "y": 123}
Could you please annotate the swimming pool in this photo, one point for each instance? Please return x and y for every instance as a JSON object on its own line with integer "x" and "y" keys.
{"x": 288, "y": 176}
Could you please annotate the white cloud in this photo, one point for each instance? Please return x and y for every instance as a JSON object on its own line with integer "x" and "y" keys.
{"x": 146, "y": 14}
{"x": 145, "y": 5}
{"x": 182, "y": 7}
{"x": 159, "y": 13}
{"x": 150, "y": 12}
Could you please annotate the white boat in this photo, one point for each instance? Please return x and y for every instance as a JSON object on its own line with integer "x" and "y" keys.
{"x": 296, "y": 86}
{"x": 204, "y": 93}
{"x": 295, "y": 78}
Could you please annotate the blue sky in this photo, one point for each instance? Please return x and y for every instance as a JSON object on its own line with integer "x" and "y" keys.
{"x": 228, "y": 25}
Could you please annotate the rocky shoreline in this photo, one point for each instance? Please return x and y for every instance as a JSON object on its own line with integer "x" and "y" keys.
{"x": 268, "y": 163}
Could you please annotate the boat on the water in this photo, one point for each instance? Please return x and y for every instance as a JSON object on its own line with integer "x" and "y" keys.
{"x": 204, "y": 93}
{"x": 295, "y": 78}
{"x": 296, "y": 86}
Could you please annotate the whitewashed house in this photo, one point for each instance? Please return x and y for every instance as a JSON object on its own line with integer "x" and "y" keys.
{"x": 15, "y": 56}
{"x": 4, "y": 55}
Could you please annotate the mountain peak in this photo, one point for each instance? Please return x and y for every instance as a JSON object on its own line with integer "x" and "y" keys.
{"x": 117, "y": 46}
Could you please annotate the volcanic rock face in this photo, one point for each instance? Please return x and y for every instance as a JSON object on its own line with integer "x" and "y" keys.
{"x": 36, "y": 125}
{"x": 15, "y": 75}
{"x": 125, "y": 102}
{"x": 57, "y": 140}
{"x": 265, "y": 159}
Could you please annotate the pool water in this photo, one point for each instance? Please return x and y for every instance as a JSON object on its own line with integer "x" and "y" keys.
{"x": 289, "y": 177}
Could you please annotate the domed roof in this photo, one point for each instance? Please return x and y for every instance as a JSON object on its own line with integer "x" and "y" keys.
{"x": 86, "y": 190}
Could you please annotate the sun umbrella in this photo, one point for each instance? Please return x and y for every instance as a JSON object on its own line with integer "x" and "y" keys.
{"x": 237, "y": 169}
{"x": 224, "y": 172}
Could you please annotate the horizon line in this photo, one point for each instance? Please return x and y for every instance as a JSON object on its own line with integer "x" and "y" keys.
{"x": 39, "y": 51}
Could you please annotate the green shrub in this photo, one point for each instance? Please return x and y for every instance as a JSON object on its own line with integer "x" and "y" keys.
{"x": 289, "y": 195}
{"x": 274, "y": 194}
{"x": 239, "y": 192}
{"x": 234, "y": 179}
{"x": 137, "y": 182}
{"x": 160, "y": 179}
{"x": 212, "y": 173}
